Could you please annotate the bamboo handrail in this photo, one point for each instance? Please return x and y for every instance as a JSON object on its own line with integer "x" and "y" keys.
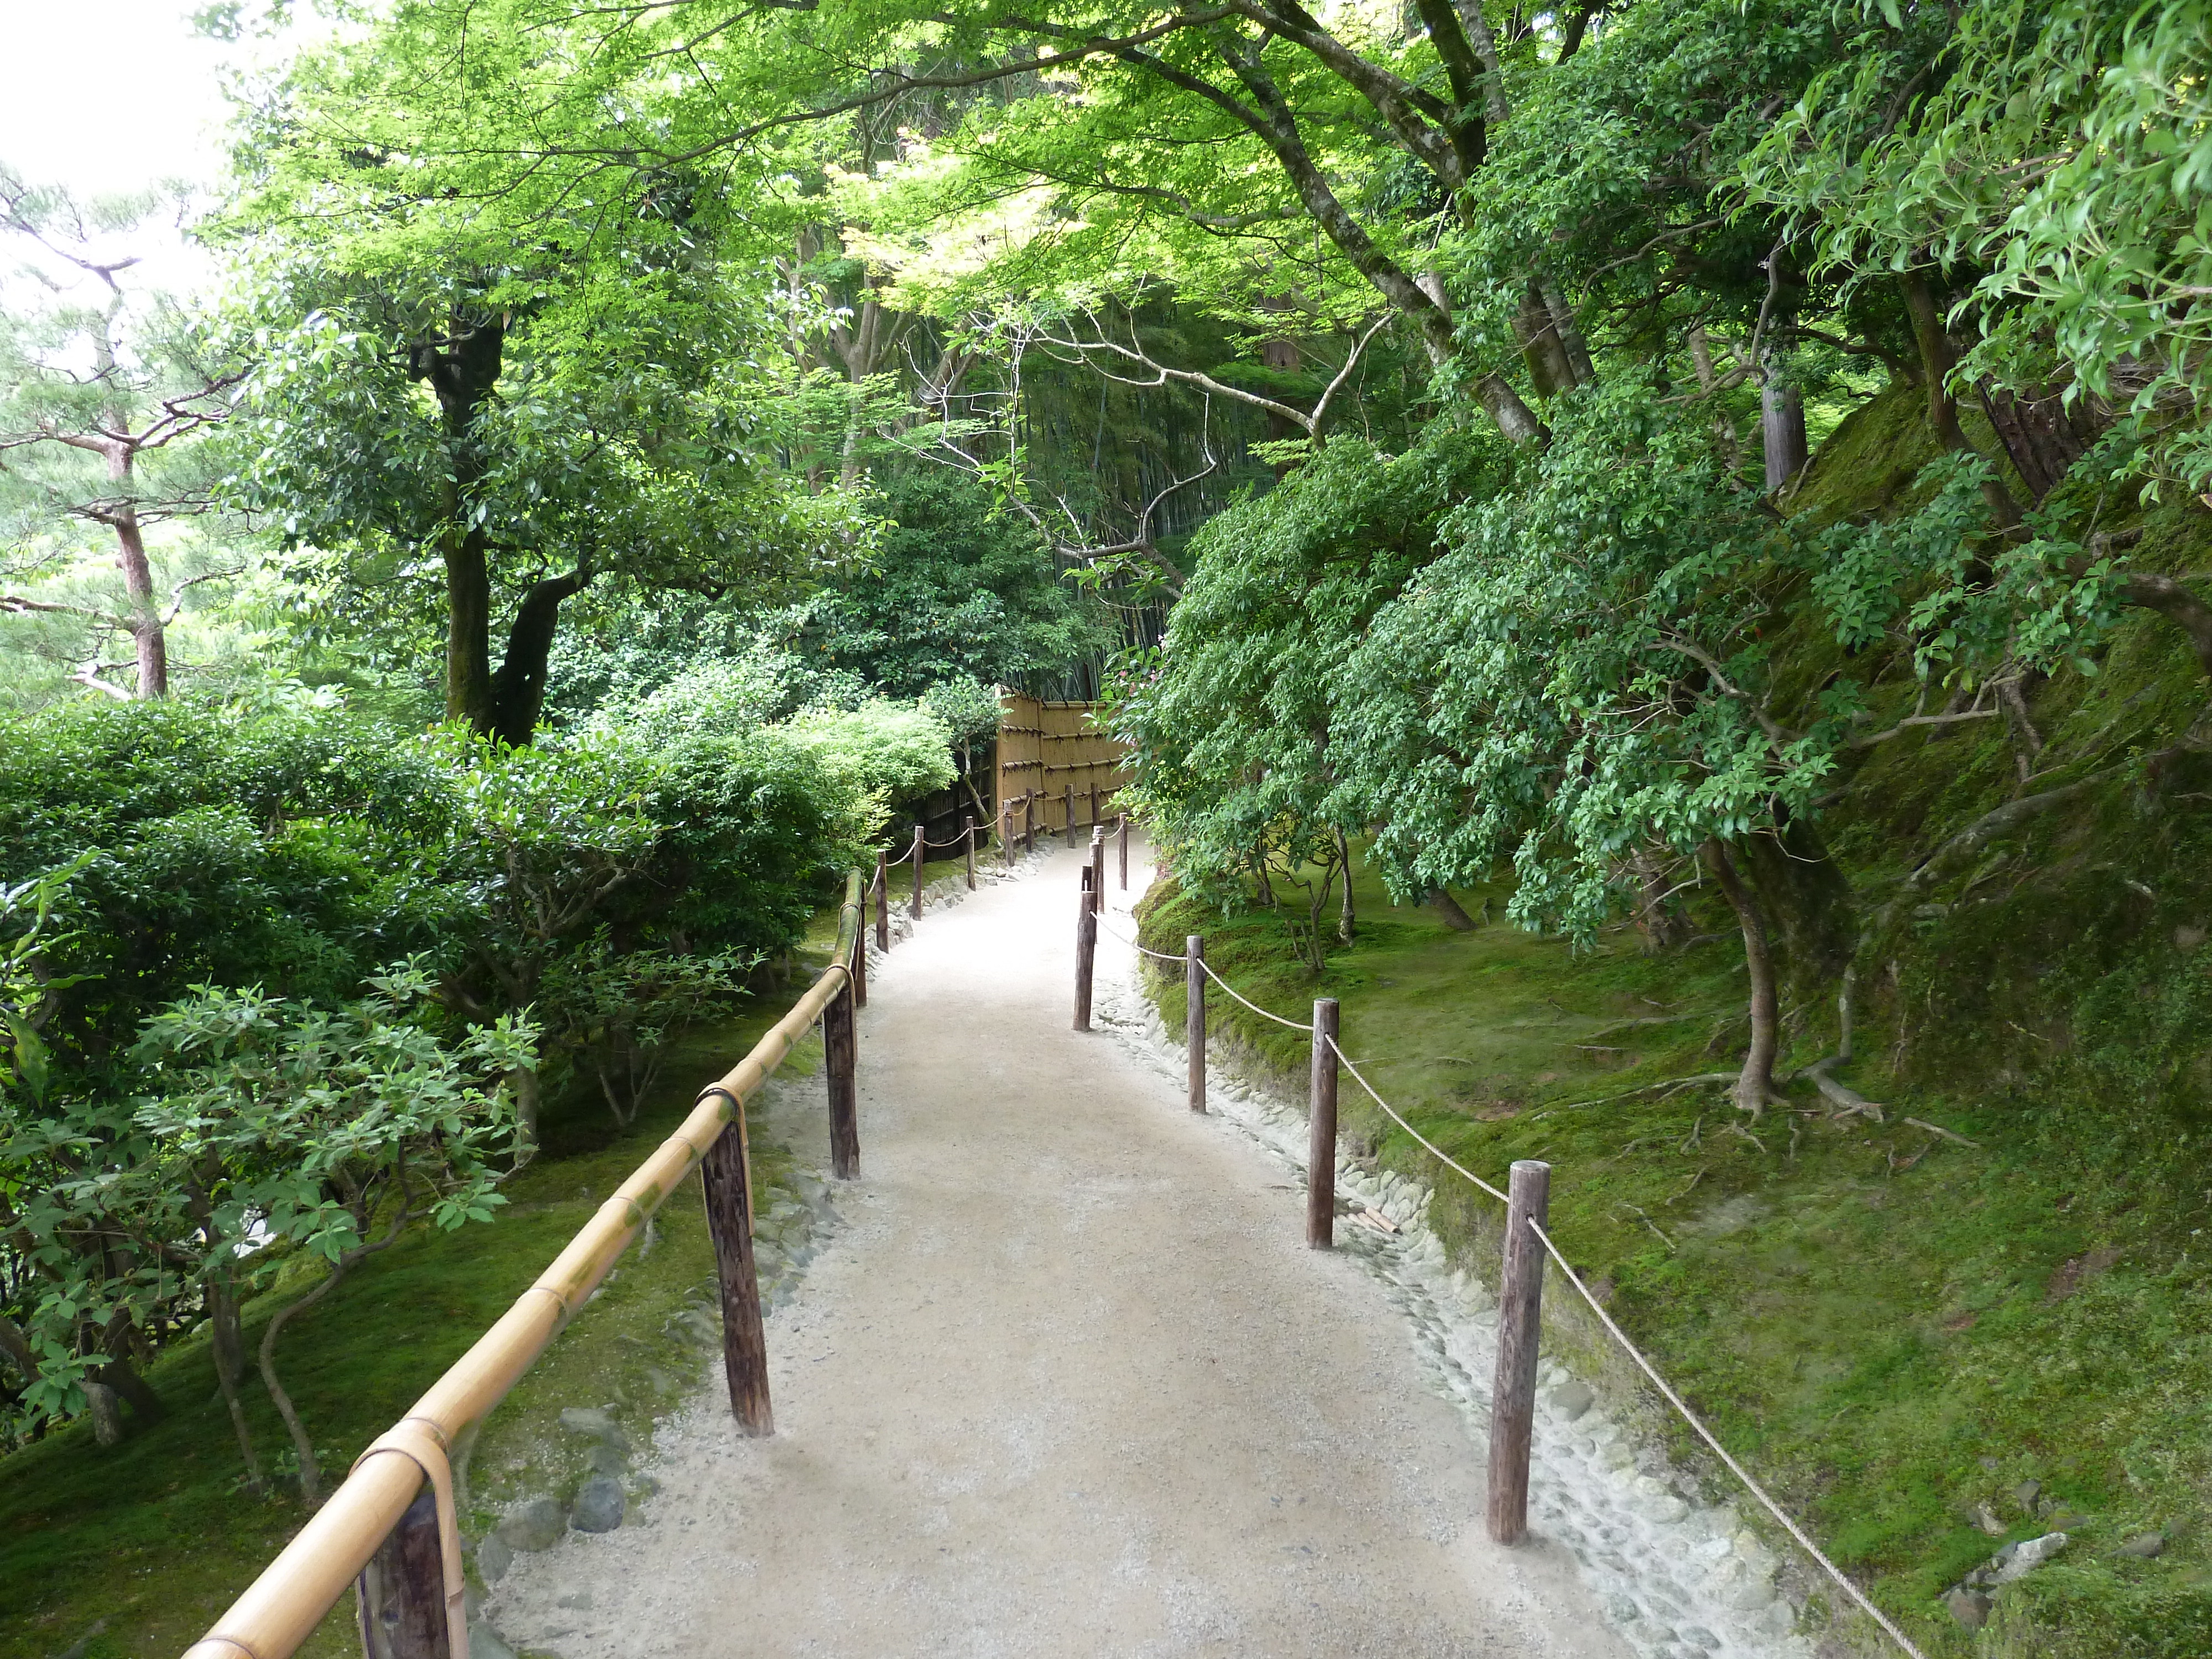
{"x": 282, "y": 1607}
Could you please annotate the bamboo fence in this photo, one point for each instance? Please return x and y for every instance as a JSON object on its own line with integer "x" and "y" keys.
{"x": 282, "y": 1607}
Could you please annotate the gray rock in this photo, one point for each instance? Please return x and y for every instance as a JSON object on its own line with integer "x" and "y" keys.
{"x": 2018, "y": 1560}
{"x": 1969, "y": 1608}
{"x": 494, "y": 1557}
{"x": 2029, "y": 1494}
{"x": 2144, "y": 1544}
{"x": 599, "y": 1505}
{"x": 697, "y": 1324}
{"x": 1751, "y": 1595}
{"x": 485, "y": 1642}
{"x": 1571, "y": 1399}
{"x": 1664, "y": 1512}
{"x": 581, "y": 1601}
{"x": 605, "y": 1459}
{"x": 536, "y": 1523}
{"x": 1698, "y": 1636}
{"x": 1986, "y": 1518}
{"x": 596, "y": 1423}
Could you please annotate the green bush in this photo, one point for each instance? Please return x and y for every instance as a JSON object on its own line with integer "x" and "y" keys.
{"x": 886, "y": 752}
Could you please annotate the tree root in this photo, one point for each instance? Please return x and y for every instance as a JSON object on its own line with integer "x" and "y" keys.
{"x": 1846, "y": 1100}
{"x": 1936, "y": 1129}
{"x": 1668, "y": 1085}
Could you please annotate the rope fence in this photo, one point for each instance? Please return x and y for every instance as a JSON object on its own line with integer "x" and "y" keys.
{"x": 1843, "y": 1582}
{"x": 1527, "y": 1244}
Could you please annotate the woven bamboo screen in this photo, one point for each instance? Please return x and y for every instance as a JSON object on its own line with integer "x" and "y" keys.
{"x": 1047, "y": 748}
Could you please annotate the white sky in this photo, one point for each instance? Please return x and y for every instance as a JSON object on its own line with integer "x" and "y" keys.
{"x": 107, "y": 95}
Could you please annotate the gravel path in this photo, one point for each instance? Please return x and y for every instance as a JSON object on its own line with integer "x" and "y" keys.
{"x": 1064, "y": 1381}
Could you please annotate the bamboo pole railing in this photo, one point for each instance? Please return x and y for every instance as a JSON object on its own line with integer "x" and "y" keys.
{"x": 282, "y": 1607}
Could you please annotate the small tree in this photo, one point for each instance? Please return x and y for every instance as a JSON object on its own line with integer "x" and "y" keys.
{"x": 94, "y": 384}
{"x": 328, "y": 1132}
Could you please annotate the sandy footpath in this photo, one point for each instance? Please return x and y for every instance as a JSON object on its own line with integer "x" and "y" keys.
{"x": 1065, "y": 1381}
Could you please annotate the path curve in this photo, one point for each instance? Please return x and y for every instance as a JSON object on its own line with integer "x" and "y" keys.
{"x": 1065, "y": 1381}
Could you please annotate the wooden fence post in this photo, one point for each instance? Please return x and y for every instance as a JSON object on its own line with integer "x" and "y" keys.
{"x": 920, "y": 853}
{"x": 1194, "y": 1017}
{"x": 969, "y": 820}
{"x": 1321, "y": 1146}
{"x": 859, "y": 962}
{"x": 1121, "y": 838}
{"x": 1097, "y": 868}
{"x": 401, "y": 1595}
{"x": 1006, "y": 833}
{"x": 883, "y": 901}
{"x": 838, "y": 1047}
{"x": 726, "y": 1173}
{"x": 1068, "y": 799}
{"x": 1094, "y": 801}
{"x": 1086, "y": 953}
{"x": 1520, "y": 1317}
{"x": 1029, "y": 822}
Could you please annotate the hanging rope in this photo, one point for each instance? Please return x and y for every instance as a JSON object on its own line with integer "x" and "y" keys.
{"x": 1389, "y": 1111}
{"x": 1735, "y": 1469}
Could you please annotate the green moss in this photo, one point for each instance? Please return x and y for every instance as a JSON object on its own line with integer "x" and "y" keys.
{"x": 1890, "y": 1329}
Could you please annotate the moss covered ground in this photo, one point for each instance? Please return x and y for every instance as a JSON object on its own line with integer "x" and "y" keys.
{"x": 1891, "y": 1329}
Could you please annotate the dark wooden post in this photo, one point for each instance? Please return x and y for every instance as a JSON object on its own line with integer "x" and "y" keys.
{"x": 1029, "y": 822}
{"x": 914, "y": 909}
{"x": 1068, "y": 799}
{"x": 1097, "y": 868}
{"x": 1121, "y": 839}
{"x": 726, "y": 1173}
{"x": 970, "y": 821}
{"x": 1520, "y": 1317}
{"x": 401, "y": 1594}
{"x": 1094, "y": 801}
{"x": 1007, "y": 834}
{"x": 1086, "y": 953}
{"x": 883, "y": 901}
{"x": 838, "y": 1047}
{"x": 859, "y": 964}
{"x": 1321, "y": 1146}
{"x": 1193, "y": 1016}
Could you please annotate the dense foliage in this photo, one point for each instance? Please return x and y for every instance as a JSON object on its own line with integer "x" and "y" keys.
{"x": 1597, "y": 456}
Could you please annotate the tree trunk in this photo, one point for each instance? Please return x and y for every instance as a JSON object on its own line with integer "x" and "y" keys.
{"x": 1537, "y": 334}
{"x": 462, "y": 370}
{"x": 118, "y": 1375}
{"x": 1346, "y": 920}
{"x": 1571, "y": 335}
{"x": 1448, "y": 910}
{"x": 1807, "y": 896}
{"x": 1782, "y": 428}
{"x": 146, "y": 633}
{"x": 17, "y": 1347}
{"x": 468, "y": 628}
{"x": 517, "y": 690}
{"x": 106, "y": 1415}
{"x": 227, "y": 1342}
{"x": 1936, "y": 361}
{"x": 311, "y": 1478}
{"x": 1756, "y": 1082}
